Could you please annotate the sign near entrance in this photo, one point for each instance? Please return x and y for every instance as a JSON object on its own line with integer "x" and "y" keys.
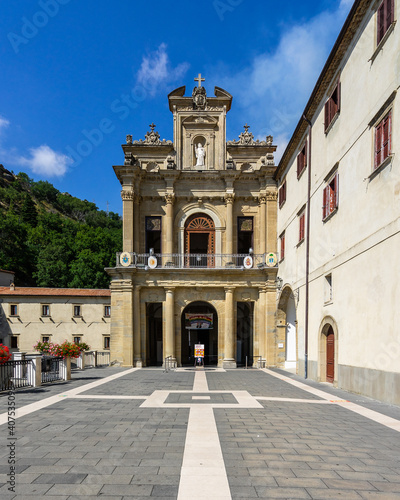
{"x": 199, "y": 321}
{"x": 199, "y": 350}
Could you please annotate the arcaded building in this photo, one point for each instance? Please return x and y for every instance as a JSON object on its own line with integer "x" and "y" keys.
{"x": 199, "y": 256}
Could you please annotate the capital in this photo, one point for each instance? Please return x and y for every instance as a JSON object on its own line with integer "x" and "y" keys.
{"x": 272, "y": 196}
{"x": 262, "y": 199}
{"x": 229, "y": 198}
{"x": 127, "y": 195}
{"x": 170, "y": 198}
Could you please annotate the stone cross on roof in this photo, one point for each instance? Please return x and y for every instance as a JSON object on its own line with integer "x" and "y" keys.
{"x": 199, "y": 79}
{"x": 152, "y": 126}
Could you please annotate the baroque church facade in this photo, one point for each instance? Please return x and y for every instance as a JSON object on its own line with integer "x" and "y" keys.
{"x": 199, "y": 263}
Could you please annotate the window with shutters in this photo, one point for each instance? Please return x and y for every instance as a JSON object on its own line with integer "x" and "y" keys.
{"x": 13, "y": 310}
{"x": 282, "y": 246}
{"x": 385, "y": 18}
{"x": 330, "y": 197}
{"x": 77, "y": 311}
{"x": 302, "y": 219}
{"x": 332, "y": 107}
{"x": 383, "y": 140}
{"x": 302, "y": 160}
{"x": 45, "y": 310}
{"x": 282, "y": 194}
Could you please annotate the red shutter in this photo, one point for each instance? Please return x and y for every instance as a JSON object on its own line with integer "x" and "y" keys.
{"x": 389, "y": 13}
{"x": 301, "y": 227}
{"x": 378, "y": 144}
{"x": 306, "y": 153}
{"x": 339, "y": 91}
{"x": 381, "y": 21}
{"x": 284, "y": 192}
{"x": 325, "y": 203}
{"x": 282, "y": 247}
{"x": 298, "y": 164}
{"x": 327, "y": 115}
{"x": 336, "y": 190}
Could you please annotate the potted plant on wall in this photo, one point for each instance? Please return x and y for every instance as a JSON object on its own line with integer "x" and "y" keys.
{"x": 6, "y": 369}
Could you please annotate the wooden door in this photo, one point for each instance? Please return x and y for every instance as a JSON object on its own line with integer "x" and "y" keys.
{"x": 200, "y": 224}
{"x": 330, "y": 355}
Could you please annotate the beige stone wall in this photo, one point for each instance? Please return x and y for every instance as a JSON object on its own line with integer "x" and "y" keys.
{"x": 30, "y": 326}
{"x": 357, "y": 245}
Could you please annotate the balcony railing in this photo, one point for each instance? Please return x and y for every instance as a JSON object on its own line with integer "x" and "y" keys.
{"x": 196, "y": 261}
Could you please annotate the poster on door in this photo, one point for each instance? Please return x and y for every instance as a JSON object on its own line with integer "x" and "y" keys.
{"x": 199, "y": 350}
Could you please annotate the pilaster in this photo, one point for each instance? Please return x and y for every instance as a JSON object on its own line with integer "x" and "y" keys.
{"x": 229, "y": 359}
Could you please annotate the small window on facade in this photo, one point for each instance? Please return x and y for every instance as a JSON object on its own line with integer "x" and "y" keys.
{"x": 331, "y": 197}
{"x": 332, "y": 106}
{"x": 45, "y": 339}
{"x": 282, "y": 246}
{"x": 383, "y": 140}
{"x": 107, "y": 311}
{"x": 282, "y": 194}
{"x": 302, "y": 160}
{"x": 77, "y": 340}
{"x": 153, "y": 234}
{"x": 45, "y": 310}
{"x": 245, "y": 234}
{"x": 302, "y": 219}
{"x": 328, "y": 288}
{"x": 106, "y": 342}
{"x": 385, "y": 18}
{"x": 77, "y": 311}
{"x": 14, "y": 342}
{"x": 13, "y": 310}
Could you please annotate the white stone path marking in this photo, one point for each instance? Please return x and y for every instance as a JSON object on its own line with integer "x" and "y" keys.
{"x": 390, "y": 422}
{"x": 203, "y": 473}
{"x": 39, "y": 405}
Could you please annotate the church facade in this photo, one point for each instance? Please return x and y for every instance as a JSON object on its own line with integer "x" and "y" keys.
{"x": 199, "y": 261}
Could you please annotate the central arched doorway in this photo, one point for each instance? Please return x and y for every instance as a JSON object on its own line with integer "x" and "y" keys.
{"x": 200, "y": 240}
{"x": 199, "y": 326}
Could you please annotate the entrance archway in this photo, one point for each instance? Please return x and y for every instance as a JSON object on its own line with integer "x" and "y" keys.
{"x": 200, "y": 240}
{"x": 286, "y": 322}
{"x": 328, "y": 350}
{"x": 194, "y": 332}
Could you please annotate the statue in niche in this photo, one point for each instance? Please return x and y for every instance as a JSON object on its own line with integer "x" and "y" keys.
{"x": 200, "y": 155}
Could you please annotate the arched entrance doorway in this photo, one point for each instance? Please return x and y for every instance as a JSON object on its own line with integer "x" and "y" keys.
{"x": 330, "y": 355}
{"x": 199, "y": 326}
{"x": 200, "y": 240}
{"x": 286, "y": 323}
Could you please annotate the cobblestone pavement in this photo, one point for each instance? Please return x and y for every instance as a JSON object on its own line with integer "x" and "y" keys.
{"x": 121, "y": 433}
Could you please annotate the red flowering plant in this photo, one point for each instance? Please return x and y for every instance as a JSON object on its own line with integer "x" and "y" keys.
{"x": 83, "y": 346}
{"x": 4, "y": 354}
{"x": 65, "y": 350}
{"x": 43, "y": 347}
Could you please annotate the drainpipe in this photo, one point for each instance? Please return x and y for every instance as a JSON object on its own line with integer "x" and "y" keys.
{"x": 307, "y": 249}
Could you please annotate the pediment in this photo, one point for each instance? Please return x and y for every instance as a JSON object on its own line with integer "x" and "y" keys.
{"x": 200, "y": 120}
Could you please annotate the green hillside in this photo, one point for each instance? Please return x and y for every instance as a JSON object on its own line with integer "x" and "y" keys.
{"x": 53, "y": 239}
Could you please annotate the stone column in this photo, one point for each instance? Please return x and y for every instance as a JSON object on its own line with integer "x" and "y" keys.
{"x": 169, "y": 223}
{"x": 272, "y": 209}
{"x": 136, "y": 225}
{"x": 229, "y": 199}
{"x": 263, "y": 224}
{"x": 229, "y": 359}
{"x": 137, "y": 351}
{"x": 121, "y": 326}
{"x": 169, "y": 332}
{"x": 127, "y": 214}
{"x": 261, "y": 326}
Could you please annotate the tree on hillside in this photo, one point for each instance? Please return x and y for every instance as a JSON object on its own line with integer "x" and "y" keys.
{"x": 28, "y": 211}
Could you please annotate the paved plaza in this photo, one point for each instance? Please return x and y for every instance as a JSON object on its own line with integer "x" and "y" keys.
{"x": 120, "y": 433}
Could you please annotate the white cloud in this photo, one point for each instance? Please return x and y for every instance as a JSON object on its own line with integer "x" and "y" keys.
{"x": 3, "y": 124}
{"x": 274, "y": 88}
{"x": 156, "y": 71}
{"x": 47, "y": 162}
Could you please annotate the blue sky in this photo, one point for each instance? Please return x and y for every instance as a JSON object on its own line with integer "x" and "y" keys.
{"x": 77, "y": 76}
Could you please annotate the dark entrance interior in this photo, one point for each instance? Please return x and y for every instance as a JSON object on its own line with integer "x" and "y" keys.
{"x": 154, "y": 335}
{"x": 199, "y": 243}
{"x": 244, "y": 342}
{"x": 208, "y": 337}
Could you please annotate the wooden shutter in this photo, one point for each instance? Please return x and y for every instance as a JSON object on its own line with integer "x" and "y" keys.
{"x": 282, "y": 246}
{"x": 301, "y": 227}
{"x": 325, "y": 203}
{"x": 381, "y": 21}
{"x": 386, "y": 133}
{"x": 389, "y": 13}
{"x": 378, "y": 144}
{"x": 327, "y": 115}
{"x": 339, "y": 92}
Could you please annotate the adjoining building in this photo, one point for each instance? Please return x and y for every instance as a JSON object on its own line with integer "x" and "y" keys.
{"x": 199, "y": 242}
{"x": 29, "y": 315}
{"x": 338, "y": 217}
{"x": 6, "y": 277}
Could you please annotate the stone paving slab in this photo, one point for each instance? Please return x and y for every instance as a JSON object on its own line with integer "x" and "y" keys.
{"x": 85, "y": 447}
